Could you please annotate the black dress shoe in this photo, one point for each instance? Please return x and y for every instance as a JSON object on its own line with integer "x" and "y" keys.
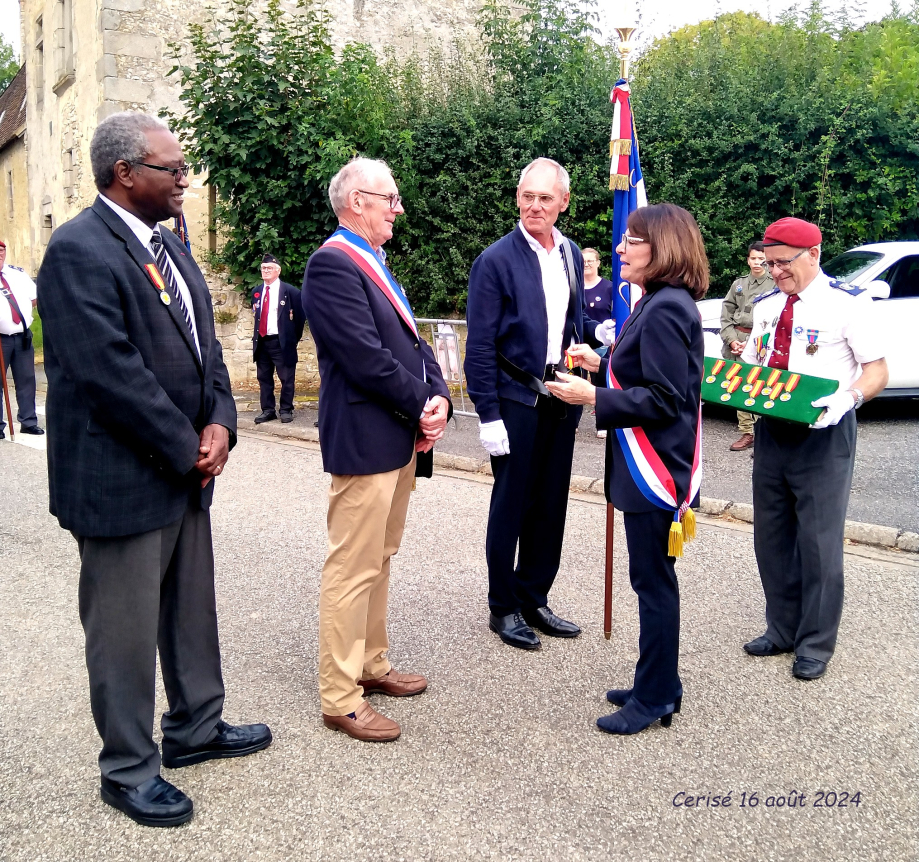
{"x": 514, "y": 631}
{"x": 230, "y": 741}
{"x": 808, "y": 668}
{"x": 287, "y": 416}
{"x": 2, "y": 435}
{"x": 31, "y": 429}
{"x": 621, "y": 696}
{"x": 762, "y": 646}
{"x": 549, "y": 624}
{"x": 266, "y": 416}
{"x": 154, "y": 803}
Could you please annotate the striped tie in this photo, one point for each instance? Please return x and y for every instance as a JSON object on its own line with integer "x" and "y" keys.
{"x": 162, "y": 261}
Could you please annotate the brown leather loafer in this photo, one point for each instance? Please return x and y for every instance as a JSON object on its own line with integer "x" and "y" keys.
{"x": 744, "y": 442}
{"x": 367, "y": 725}
{"x": 395, "y": 684}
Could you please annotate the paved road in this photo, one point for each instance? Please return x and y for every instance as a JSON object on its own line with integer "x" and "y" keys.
{"x": 500, "y": 758}
{"x": 885, "y": 487}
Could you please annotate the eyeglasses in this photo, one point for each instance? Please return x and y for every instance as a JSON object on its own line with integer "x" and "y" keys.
{"x": 393, "y": 198}
{"x": 177, "y": 173}
{"x": 529, "y": 199}
{"x": 627, "y": 239}
{"x": 784, "y": 264}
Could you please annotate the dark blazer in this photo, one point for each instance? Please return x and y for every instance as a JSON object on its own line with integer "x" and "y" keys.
{"x": 657, "y": 360}
{"x": 376, "y": 375}
{"x": 506, "y": 311}
{"x": 290, "y": 320}
{"x": 127, "y": 393}
{"x": 599, "y": 299}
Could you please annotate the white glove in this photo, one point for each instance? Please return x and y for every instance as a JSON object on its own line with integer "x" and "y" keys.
{"x": 494, "y": 438}
{"x": 837, "y": 405}
{"x": 605, "y": 332}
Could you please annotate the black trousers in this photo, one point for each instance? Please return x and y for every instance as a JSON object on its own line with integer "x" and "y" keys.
{"x": 268, "y": 359}
{"x": 529, "y": 502}
{"x": 19, "y": 360}
{"x": 801, "y": 483}
{"x": 653, "y": 576}
{"x": 139, "y": 593}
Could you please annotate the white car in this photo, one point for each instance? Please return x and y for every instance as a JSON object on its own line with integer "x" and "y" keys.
{"x": 889, "y": 271}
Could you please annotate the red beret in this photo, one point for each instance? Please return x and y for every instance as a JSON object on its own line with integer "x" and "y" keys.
{"x": 794, "y": 232}
{"x": 2, "y": 244}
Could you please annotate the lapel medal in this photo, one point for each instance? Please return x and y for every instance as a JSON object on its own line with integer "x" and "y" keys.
{"x": 812, "y": 345}
{"x": 164, "y": 297}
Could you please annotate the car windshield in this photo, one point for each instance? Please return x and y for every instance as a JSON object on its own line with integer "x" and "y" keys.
{"x": 851, "y": 264}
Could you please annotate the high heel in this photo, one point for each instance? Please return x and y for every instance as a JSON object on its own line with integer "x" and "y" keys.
{"x": 636, "y": 716}
{"x": 621, "y": 696}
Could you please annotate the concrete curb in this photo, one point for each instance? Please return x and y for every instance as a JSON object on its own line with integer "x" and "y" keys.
{"x": 857, "y": 532}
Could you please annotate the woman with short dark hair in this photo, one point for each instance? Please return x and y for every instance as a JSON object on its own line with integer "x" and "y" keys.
{"x": 653, "y": 469}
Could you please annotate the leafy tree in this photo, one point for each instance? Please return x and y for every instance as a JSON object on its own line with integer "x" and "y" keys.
{"x": 8, "y": 64}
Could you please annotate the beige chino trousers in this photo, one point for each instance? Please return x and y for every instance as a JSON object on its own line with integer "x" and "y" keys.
{"x": 365, "y": 522}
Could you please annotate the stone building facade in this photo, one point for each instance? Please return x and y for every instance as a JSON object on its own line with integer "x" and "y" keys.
{"x": 87, "y": 59}
{"x": 14, "y": 173}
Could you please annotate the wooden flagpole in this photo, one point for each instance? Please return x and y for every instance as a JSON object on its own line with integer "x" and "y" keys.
{"x": 608, "y": 590}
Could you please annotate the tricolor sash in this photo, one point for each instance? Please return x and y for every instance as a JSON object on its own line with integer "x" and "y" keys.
{"x": 365, "y": 259}
{"x": 653, "y": 479}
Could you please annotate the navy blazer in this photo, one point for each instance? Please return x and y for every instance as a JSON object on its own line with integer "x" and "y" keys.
{"x": 290, "y": 320}
{"x": 375, "y": 374}
{"x": 657, "y": 360}
{"x": 506, "y": 312}
{"x": 127, "y": 394}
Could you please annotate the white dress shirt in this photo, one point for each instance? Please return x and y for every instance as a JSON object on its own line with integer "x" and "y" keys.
{"x": 842, "y": 327}
{"x": 556, "y": 289}
{"x": 23, "y": 289}
{"x": 274, "y": 294}
{"x": 144, "y": 234}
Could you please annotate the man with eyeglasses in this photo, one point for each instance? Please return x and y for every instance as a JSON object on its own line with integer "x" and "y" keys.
{"x": 140, "y": 422}
{"x": 525, "y": 309}
{"x": 383, "y": 404}
{"x": 737, "y": 324}
{"x": 809, "y": 324}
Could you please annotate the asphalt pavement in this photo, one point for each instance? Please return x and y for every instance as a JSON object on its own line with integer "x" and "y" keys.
{"x": 500, "y": 758}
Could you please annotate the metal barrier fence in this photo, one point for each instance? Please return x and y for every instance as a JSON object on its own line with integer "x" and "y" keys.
{"x": 450, "y": 348}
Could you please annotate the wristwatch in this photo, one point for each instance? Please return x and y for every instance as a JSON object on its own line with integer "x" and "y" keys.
{"x": 859, "y": 397}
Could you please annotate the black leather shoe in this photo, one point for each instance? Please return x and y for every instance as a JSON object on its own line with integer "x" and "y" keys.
{"x": 287, "y": 417}
{"x": 635, "y": 716}
{"x": 154, "y": 803}
{"x": 808, "y": 668}
{"x": 31, "y": 429}
{"x": 230, "y": 741}
{"x": 514, "y": 631}
{"x": 762, "y": 646}
{"x": 2, "y": 436}
{"x": 621, "y": 696}
{"x": 549, "y": 624}
{"x": 266, "y": 416}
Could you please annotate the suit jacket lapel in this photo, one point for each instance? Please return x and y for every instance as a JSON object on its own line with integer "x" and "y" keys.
{"x": 178, "y": 255}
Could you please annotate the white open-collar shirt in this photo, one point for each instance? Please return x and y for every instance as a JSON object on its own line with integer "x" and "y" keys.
{"x": 556, "y": 290}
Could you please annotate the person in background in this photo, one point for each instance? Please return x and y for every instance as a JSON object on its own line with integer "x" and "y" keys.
{"x": 16, "y": 337}
{"x": 598, "y": 298}
{"x": 279, "y": 321}
{"x": 737, "y": 323}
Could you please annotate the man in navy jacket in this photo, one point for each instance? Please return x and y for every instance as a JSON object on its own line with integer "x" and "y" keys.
{"x": 525, "y": 308}
{"x": 383, "y": 401}
{"x": 140, "y": 423}
{"x": 278, "y": 329}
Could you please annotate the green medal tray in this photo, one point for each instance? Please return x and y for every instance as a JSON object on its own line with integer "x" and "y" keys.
{"x": 793, "y": 406}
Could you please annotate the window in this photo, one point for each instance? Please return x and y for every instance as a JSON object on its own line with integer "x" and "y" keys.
{"x": 850, "y": 264}
{"x": 39, "y": 62}
{"x": 63, "y": 44}
{"x": 903, "y": 278}
{"x": 68, "y": 161}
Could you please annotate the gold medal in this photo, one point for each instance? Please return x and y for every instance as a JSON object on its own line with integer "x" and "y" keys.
{"x": 747, "y": 387}
{"x": 769, "y": 405}
{"x": 750, "y": 401}
{"x": 164, "y": 297}
{"x": 811, "y": 349}
{"x": 709, "y": 379}
{"x": 785, "y": 396}
{"x": 726, "y": 397}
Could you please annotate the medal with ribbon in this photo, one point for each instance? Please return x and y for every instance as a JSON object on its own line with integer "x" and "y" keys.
{"x": 812, "y": 335}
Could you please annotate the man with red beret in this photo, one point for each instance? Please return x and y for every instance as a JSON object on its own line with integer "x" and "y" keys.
{"x": 810, "y": 324}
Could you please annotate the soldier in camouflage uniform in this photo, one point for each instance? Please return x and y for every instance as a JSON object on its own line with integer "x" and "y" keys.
{"x": 737, "y": 321}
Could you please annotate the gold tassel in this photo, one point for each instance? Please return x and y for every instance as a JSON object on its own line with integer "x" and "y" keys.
{"x": 414, "y": 483}
{"x": 620, "y": 147}
{"x": 618, "y": 182}
{"x": 675, "y": 540}
{"x": 689, "y": 525}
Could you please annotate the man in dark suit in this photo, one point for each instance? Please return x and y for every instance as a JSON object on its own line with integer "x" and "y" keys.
{"x": 383, "y": 404}
{"x": 278, "y": 329}
{"x": 525, "y": 307}
{"x": 140, "y": 422}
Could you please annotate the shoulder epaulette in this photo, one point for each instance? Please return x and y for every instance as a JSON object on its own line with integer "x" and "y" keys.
{"x": 766, "y": 295}
{"x": 846, "y": 288}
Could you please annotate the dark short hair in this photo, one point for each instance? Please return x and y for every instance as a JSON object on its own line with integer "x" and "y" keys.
{"x": 677, "y": 250}
{"x": 759, "y": 245}
{"x": 120, "y": 137}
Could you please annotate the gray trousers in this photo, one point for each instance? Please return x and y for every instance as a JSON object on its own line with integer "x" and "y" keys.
{"x": 801, "y": 484}
{"x": 139, "y": 593}
{"x": 19, "y": 360}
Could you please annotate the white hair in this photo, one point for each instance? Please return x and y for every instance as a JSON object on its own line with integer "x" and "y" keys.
{"x": 562, "y": 177}
{"x": 352, "y": 176}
